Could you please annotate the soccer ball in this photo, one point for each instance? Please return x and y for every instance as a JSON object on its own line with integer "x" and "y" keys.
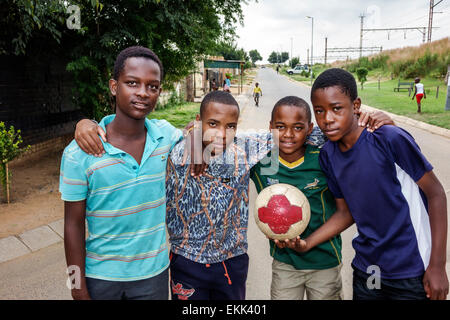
{"x": 282, "y": 211}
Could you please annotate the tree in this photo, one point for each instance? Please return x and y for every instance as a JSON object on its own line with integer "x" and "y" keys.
{"x": 178, "y": 31}
{"x": 284, "y": 57}
{"x": 294, "y": 61}
{"x": 254, "y": 56}
{"x": 273, "y": 57}
{"x": 362, "y": 76}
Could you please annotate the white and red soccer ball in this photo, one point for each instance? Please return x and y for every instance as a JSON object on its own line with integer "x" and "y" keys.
{"x": 282, "y": 211}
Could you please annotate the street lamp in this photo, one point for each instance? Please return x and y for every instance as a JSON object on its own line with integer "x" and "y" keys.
{"x": 312, "y": 39}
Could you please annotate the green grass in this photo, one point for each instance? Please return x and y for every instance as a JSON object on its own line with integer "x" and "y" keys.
{"x": 433, "y": 110}
{"x": 179, "y": 116}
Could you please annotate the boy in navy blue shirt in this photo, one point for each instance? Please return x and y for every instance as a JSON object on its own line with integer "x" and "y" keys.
{"x": 398, "y": 204}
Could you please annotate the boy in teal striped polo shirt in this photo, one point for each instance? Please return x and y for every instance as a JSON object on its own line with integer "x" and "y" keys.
{"x": 121, "y": 194}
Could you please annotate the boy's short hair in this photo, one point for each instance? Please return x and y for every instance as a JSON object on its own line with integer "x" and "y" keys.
{"x": 219, "y": 97}
{"x": 337, "y": 77}
{"x": 135, "y": 51}
{"x": 293, "y": 101}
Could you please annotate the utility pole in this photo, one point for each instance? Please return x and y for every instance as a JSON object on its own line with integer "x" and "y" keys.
{"x": 430, "y": 18}
{"x": 325, "y": 60}
{"x": 307, "y": 56}
{"x": 447, "y": 103}
{"x": 312, "y": 42}
{"x": 361, "y": 35}
{"x": 291, "y": 49}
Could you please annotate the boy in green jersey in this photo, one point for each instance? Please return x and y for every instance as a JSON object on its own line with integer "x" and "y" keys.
{"x": 316, "y": 272}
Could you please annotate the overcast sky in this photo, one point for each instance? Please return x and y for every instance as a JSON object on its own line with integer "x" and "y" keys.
{"x": 269, "y": 25}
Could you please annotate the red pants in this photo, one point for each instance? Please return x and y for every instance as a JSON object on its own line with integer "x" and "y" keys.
{"x": 419, "y": 97}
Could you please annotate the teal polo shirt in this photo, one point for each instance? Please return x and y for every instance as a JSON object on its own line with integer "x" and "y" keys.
{"x": 125, "y": 204}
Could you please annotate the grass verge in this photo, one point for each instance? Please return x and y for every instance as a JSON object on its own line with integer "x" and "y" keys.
{"x": 433, "y": 109}
{"x": 179, "y": 116}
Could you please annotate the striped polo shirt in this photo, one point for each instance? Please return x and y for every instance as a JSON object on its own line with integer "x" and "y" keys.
{"x": 125, "y": 204}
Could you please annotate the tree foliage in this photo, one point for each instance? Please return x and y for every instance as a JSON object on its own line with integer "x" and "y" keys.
{"x": 178, "y": 31}
{"x": 254, "y": 56}
{"x": 362, "y": 73}
{"x": 276, "y": 57}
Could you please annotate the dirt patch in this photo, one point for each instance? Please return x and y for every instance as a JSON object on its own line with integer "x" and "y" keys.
{"x": 35, "y": 199}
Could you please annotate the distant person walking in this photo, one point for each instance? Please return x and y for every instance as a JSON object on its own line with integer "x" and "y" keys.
{"x": 226, "y": 86}
{"x": 256, "y": 93}
{"x": 213, "y": 85}
{"x": 419, "y": 93}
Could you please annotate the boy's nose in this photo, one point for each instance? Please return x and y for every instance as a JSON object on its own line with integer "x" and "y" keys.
{"x": 288, "y": 133}
{"x": 142, "y": 92}
{"x": 329, "y": 117}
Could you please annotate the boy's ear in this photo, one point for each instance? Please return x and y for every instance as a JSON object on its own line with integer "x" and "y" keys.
{"x": 311, "y": 126}
{"x": 197, "y": 117}
{"x": 113, "y": 86}
{"x": 357, "y": 105}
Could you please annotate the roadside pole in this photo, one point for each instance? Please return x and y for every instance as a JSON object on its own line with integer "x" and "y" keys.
{"x": 447, "y": 104}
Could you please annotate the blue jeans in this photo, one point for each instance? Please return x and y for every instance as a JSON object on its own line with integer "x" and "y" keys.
{"x": 390, "y": 289}
{"x": 155, "y": 288}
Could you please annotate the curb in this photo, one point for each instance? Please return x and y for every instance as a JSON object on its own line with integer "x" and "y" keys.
{"x": 15, "y": 246}
{"x": 414, "y": 123}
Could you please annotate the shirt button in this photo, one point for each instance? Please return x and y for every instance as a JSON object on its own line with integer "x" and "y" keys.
{"x": 134, "y": 167}
{"x": 122, "y": 154}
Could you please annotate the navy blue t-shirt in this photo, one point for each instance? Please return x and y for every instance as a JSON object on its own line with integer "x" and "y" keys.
{"x": 376, "y": 177}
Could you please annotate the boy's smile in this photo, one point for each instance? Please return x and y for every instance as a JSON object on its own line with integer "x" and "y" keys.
{"x": 138, "y": 87}
{"x": 290, "y": 126}
{"x": 335, "y": 112}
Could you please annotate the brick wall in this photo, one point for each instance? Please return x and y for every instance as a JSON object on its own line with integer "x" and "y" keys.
{"x": 44, "y": 148}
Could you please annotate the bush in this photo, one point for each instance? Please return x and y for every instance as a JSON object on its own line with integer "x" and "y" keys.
{"x": 362, "y": 75}
{"x": 9, "y": 150}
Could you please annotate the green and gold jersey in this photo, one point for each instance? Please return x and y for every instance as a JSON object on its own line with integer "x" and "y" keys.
{"x": 307, "y": 176}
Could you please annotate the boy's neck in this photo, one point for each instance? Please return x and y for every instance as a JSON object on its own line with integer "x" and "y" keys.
{"x": 300, "y": 153}
{"x": 349, "y": 140}
{"x": 125, "y": 127}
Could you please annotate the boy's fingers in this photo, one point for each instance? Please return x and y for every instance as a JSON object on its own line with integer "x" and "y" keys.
{"x": 101, "y": 133}
{"x": 94, "y": 146}
{"x": 363, "y": 119}
{"x": 84, "y": 145}
{"x": 427, "y": 290}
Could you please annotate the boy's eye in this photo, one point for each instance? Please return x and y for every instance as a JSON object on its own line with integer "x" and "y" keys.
{"x": 131, "y": 83}
{"x": 212, "y": 124}
{"x": 232, "y": 126}
{"x": 279, "y": 127}
{"x": 298, "y": 128}
{"x": 336, "y": 109}
{"x": 318, "y": 111}
{"x": 154, "y": 87}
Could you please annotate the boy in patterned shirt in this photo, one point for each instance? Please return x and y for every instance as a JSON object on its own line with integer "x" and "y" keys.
{"x": 207, "y": 216}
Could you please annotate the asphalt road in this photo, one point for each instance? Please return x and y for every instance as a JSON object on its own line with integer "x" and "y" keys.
{"x": 41, "y": 275}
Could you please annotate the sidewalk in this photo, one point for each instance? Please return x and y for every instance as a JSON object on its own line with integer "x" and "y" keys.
{"x": 32, "y": 240}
